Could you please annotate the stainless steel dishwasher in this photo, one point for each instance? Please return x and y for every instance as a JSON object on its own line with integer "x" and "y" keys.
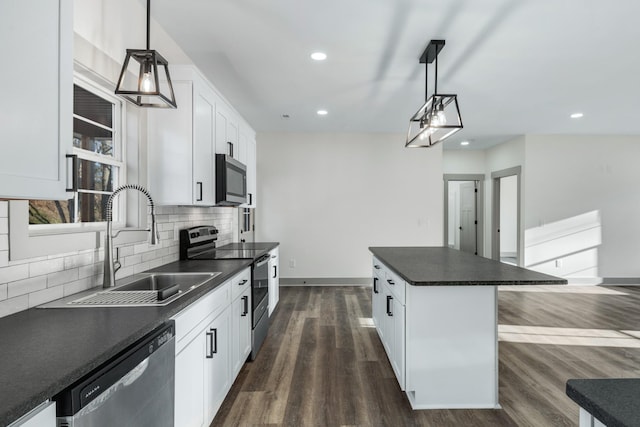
{"x": 136, "y": 388}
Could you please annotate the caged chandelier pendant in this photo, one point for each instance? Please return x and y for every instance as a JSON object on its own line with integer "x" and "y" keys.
{"x": 439, "y": 117}
{"x": 149, "y": 89}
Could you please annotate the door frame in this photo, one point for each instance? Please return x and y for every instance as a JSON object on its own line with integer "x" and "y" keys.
{"x": 479, "y": 206}
{"x": 495, "y": 211}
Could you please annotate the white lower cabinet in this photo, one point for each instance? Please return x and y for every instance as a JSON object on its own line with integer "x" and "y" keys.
{"x": 274, "y": 279}
{"x": 240, "y": 324}
{"x": 217, "y": 372}
{"x": 208, "y": 343}
{"x": 388, "y": 312}
{"x": 377, "y": 298}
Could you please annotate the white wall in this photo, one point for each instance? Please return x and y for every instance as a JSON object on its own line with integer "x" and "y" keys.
{"x": 582, "y": 202}
{"x": 328, "y": 197}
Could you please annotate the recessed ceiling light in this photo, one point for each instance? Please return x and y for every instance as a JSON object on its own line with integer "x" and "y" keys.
{"x": 319, "y": 56}
{"x": 576, "y": 115}
{"x": 322, "y": 112}
{"x": 464, "y": 143}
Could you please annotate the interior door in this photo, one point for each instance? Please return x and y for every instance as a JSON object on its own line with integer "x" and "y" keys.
{"x": 468, "y": 226}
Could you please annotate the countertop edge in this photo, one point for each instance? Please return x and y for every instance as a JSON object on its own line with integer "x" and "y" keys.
{"x": 588, "y": 403}
{"x": 375, "y": 250}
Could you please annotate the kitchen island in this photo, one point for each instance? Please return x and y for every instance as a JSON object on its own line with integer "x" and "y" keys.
{"x": 435, "y": 310}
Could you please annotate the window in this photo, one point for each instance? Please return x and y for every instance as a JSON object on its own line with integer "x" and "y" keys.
{"x": 99, "y": 166}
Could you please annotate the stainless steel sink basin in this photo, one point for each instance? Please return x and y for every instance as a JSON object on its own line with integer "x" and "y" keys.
{"x": 140, "y": 290}
{"x": 159, "y": 281}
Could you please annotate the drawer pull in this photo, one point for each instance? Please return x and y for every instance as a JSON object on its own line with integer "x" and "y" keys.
{"x": 391, "y": 282}
{"x": 243, "y": 282}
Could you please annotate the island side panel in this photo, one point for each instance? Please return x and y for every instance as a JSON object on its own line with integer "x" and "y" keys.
{"x": 452, "y": 347}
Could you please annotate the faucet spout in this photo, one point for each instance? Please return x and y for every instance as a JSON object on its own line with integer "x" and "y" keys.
{"x": 110, "y": 267}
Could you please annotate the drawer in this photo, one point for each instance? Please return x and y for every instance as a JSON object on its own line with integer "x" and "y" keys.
{"x": 378, "y": 267}
{"x": 396, "y": 285}
{"x": 240, "y": 282}
{"x": 207, "y": 307}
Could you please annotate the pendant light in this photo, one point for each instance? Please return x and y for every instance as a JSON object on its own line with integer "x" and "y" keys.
{"x": 149, "y": 89}
{"x": 439, "y": 117}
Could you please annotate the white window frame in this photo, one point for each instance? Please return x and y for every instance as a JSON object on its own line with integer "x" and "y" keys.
{"x": 119, "y": 160}
{"x": 31, "y": 241}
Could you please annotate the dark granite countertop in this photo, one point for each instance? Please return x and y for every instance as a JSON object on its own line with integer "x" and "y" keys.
{"x": 441, "y": 266}
{"x": 613, "y": 401}
{"x": 44, "y": 351}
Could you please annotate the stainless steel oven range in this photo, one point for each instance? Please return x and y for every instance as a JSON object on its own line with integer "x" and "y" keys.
{"x": 199, "y": 244}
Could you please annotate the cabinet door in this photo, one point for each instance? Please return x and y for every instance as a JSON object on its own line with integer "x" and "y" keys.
{"x": 203, "y": 148}
{"x": 240, "y": 331}
{"x": 226, "y": 131}
{"x": 170, "y": 149}
{"x": 387, "y": 329}
{"x": 274, "y": 279}
{"x": 36, "y": 40}
{"x": 252, "y": 173}
{"x": 218, "y": 365}
{"x": 190, "y": 384}
{"x": 377, "y": 304}
{"x": 397, "y": 347}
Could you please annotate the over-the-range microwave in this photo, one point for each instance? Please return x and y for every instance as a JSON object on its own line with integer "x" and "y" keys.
{"x": 231, "y": 181}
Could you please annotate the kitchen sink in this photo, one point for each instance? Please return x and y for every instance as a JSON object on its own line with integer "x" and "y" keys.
{"x": 140, "y": 290}
{"x": 160, "y": 281}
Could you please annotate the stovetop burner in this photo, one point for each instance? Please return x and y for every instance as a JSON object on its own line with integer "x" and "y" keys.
{"x": 199, "y": 243}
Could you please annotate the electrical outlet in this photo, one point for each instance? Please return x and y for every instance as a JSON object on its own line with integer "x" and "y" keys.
{"x": 292, "y": 263}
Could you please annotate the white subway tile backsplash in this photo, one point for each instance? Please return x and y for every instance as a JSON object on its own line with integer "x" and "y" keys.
{"x": 30, "y": 282}
{"x": 77, "y": 286}
{"x": 40, "y": 268}
{"x": 90, "y": 270}
{"x": 14, "y": 272}
{"x": 62, "y": 277}
{"x": 148, "y": 256}
{"x": 81, "y": 259}
{"x": 45, "y": 295}
{"x": 27, "y": 286}
{"x": 124, "y": 251}
{"x": 132, "y": 260}
{"x": 139, "y": 268}
{"x": 124, "y": 272}
{"x": 14, "y": 305}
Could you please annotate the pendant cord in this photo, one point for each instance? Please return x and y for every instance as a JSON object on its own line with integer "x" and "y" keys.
{"x": 436, "y": 88}
{"x": 148, "y": 23}
{"x": 426, "y": 81}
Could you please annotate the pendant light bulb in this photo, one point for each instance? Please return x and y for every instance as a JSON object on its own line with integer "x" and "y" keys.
{"x": 146, "y": 85}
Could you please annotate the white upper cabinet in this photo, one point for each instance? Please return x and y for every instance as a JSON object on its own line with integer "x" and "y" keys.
{"x": 181, "y": 144}
{"x": 247, "y": 155}
{"x": 36, "y": 106}
{"x": 226, "y": 131}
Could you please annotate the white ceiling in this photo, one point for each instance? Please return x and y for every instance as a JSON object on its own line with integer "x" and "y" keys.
{"x": 518, "y": 66}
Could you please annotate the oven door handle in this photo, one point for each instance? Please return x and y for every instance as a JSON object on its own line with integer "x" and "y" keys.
{"x": 262, "y": 261}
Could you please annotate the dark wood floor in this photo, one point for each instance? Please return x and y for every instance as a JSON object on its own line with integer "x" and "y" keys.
{"x": 323, "y": 364}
